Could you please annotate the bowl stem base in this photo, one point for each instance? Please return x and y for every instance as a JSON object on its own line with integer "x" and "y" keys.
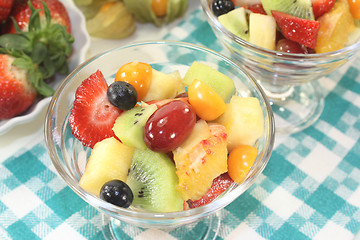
{"x": 295, "y": 107}
{"x": 204, "y": 229}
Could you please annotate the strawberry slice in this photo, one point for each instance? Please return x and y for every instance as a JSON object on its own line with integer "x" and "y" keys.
{"x": 257, "y": 8}
{"x": 299, "y": 30}
{"x": 322, "y": 6}
{"x": 93, "y": 116}
{"x": 219, "y": 185}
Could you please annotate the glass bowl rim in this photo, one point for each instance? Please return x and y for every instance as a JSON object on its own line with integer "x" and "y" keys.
{"x": 187, "y": 214}
{"x": 214, "y": 23}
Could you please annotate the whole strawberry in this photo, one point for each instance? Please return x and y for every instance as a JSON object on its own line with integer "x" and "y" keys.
{"x": 21, "y": 13}
{"x": 16, "y": 93}
{"x": 35, "y": 54}
{"x": 5, "y": 8}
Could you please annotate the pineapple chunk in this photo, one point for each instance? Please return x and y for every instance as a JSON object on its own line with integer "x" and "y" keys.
{"x": 262, "y": 30}
{"x": 335, "y": 27}
{"x": 196, "y": 168}
{"x": 243, "y": 120}
{"x": 110, "y": 159}
{"x": 164, "y": 86}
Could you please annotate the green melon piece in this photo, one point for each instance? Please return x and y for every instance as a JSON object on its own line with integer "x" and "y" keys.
{"x": 129, "y": 126}
{"x": 222, "y": 84}
{"x": 236, "y": 22}
{"x": 153, "y": 180}
{"x": 299, "y": 8}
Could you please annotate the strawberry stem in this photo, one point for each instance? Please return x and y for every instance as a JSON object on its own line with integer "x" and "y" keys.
{"x": 42, "y": 50}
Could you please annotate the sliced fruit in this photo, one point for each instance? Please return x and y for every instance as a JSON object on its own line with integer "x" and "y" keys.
{"x": 297, "y": 29}
{"x": 257, "y": 8}
{"x": 207, "y": 104}
{"x": 129, "y": 126}
{"x": 198, "y": 167}
{"x": 354, "y": 36}
{"x": 322, "y": 6}
{"x": 92, "y": 116}
{"x": 163, "y": 86}
{"x": 221, "y": 83}
{"x": 169, "y": 126}
{"x": 200, "y": 132}
{"x": 236, "y": 22}
{"x": 218, "y": 186}
{"x": 262, "y": 30}
{"x": 240, "y": 161}
{"x": 153, "y": 181}
{"x": 335, "y": 27}
{"x": 300, "y": 8}
{"x": 112, "y": 21}
{"x": 244, "y": 121}
{"x": 110, "y": 159}
{"x": 160, "y": 103}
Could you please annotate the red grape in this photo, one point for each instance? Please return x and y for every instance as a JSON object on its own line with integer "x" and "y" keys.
{"x": 288, "y": 46}
{"x": 169, "y": 126}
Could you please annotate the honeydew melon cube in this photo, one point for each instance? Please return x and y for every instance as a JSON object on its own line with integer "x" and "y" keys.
{"x": 219, "y": 82}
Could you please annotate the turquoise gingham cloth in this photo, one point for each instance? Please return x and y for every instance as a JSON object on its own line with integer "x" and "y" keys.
{"x": 309, "y": 190}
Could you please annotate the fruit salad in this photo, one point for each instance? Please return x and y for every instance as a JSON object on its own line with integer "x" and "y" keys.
{"x": 305, "y": 26}
{"x": 164, "y": 142}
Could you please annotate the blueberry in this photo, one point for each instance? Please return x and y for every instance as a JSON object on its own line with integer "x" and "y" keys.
{"x": 117, "y": 192}
{"x": 122, "y": 95}
{"x": 220, "y": 7}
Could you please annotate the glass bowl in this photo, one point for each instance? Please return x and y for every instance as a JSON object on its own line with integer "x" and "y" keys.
{"x": 69, "y": 155}
{"x": 289, "y": 80}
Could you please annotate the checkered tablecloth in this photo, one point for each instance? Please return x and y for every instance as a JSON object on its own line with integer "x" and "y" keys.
{"x": 309, "y": 190}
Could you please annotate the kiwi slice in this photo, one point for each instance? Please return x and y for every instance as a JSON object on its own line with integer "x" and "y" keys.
{"x": 129, "y": 126}
{"x": 153, "y": 180}
{"x": 235, "y": 21}
{"x": 297, "y": 8}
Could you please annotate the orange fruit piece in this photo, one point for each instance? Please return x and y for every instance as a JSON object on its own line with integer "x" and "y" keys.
{"x": 335, "y": 27}
{"x": 197, "y": 167}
